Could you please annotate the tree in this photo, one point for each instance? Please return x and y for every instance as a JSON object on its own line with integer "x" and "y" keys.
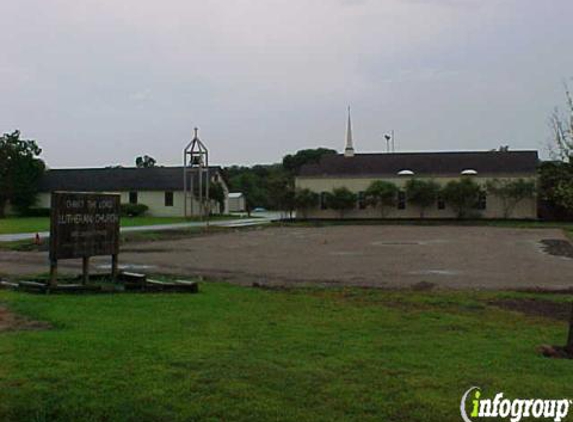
{"x": 249, "y": 184}
{"x": 382, "y": 194}
{"x": 462, "y": 195}
{"x": 262, "y": 185}
{"x": 555, "y": 179}
{"x": 511, "y": 192}
{"x": 293, "y": 163}
{"x": 422, "y": 193}
{"x": 20, "y": 171}
{"x": 562, "y": 127}
{"x": 304, "y": 200}
{"x": 281, "y": 192}
{"x": 563, "y": 194}
{"x": 217, "y": 194}
{"x": 341, "y": 199}
{"x": 145, "y": 161}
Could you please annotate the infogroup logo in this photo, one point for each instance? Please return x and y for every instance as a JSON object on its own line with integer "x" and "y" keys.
{"x": 514, "y": 410}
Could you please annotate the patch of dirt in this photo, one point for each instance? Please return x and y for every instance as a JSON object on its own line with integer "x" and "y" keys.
{"x": 423, "y": 286}
{"x": 12, "y": 322}
{"x": 556, "y": 352}
{"x": 560, "y": 311}
{"x": 557, "y": 247}
{"x": 475, "y": 258}
{"x": 146, "y": 250}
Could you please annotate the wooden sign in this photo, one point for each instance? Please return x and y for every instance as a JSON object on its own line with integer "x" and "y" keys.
{"x": 84, "y": 225}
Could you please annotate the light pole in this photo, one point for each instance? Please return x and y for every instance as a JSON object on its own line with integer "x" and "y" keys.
{"x": 390, "y": 137}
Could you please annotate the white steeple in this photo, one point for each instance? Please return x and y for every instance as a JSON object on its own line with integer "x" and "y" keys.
{"x": 349, "y": 148}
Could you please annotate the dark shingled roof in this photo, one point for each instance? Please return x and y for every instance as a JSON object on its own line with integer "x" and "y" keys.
{"x": 424, "y": 163}
{"x": 115, "y": 179}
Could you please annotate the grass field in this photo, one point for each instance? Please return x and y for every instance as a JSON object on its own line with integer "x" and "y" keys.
{"x": 242, "y": 354}
{"x": 38, "y": 224}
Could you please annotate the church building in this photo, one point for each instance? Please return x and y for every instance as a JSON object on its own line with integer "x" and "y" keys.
{"x": 356, "y": 172}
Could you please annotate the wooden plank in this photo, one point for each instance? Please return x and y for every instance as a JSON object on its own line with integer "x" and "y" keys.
{"x": 9, "y": 285}
{"x": 132, "y": 277}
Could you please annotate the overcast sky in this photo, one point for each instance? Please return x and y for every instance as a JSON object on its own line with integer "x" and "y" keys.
{"x": 98, "y": 82}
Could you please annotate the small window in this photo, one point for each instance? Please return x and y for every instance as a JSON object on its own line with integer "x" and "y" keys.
{"x": 441, "y": 203}
{"x": 405, "y": 172}
{"x": 168, "y": 199}
{"x": 468, "y": 172}
{"x": 401, "y": 200}
{"x": 323, "y": 200}
{"x": 133, "y": 197}
{"x": 482, "y": 201}
{"x": 361, "y": 200}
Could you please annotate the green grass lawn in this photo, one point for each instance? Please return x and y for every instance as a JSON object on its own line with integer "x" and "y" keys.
{"x": 39, "y": 224}
{"x": 241, "y": 354}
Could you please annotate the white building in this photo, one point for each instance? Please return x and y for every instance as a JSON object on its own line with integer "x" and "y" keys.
{"x": 237, "y": 202}
{"x": 159, "y": 188}
{"x": 356, "y": 172}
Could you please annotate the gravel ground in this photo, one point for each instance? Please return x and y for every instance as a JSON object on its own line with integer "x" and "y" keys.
{"x": 381, "y": 256}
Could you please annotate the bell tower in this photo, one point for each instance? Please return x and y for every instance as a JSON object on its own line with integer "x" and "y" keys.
{"x": 196, "y": 178}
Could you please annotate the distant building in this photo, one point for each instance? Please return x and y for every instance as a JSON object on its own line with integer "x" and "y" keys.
{"x": 237, "y": 202}
{"x": 357, "y": 171}
{"x": 160, "y": 188}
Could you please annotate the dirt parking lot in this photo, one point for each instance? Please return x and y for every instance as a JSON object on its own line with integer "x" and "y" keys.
{"x": 384, "y": 256}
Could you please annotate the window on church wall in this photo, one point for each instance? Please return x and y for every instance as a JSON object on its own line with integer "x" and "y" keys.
{"x": 168, "y": 199}
{"x": 401, "y": 203}
{"x": 133, "y": 197}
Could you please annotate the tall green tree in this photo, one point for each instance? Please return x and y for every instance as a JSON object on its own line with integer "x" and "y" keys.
{"x": 281, "y": 192}
{"x": 381, "y": 194}
{"x": 293, "y": 162}
{"x": 254, "y": 194}
{"x": 305, "y": 199}
{"x": 555, "y": 185}
{"x": 341, "y": 199}
{"x": 511, "y": 192}
{"x": 217, "y": 194}
{"x": 262, "y": 185}
{"x": 422, "y": 193}
{"x": 20, "y": 171}
{"x": 145, "y": 161}
{"x": 562, "y": 126}
{"x": 462, "y": 195}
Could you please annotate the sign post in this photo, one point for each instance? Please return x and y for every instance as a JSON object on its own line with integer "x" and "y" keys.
{"x": 83, "y": 225}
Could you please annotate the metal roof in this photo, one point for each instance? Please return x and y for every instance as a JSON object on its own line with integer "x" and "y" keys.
{"x": 424, "y": 163}
{"x": 112, "y": 179}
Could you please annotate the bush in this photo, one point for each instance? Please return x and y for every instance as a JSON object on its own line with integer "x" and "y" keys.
{"x": 512, "y": 192}
{"x": 555, "y": 179}
{"x": 422, "y": 193}
{"x": 341, "y": 199}
{"x": 462, "y": 195}
{"x": 305, "y": 199}
{"x": 133, "y": 210}
{"x": 383, "y": 194}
